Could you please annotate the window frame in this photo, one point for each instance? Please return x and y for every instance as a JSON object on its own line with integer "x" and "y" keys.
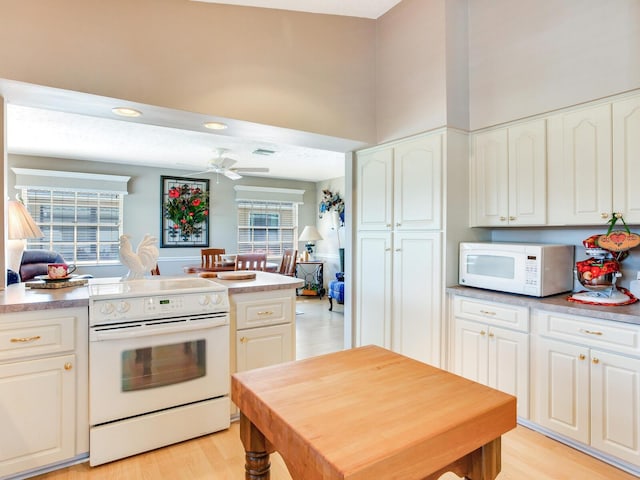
{"x": 249, "y": 209}
{"x": 64, "y": 198}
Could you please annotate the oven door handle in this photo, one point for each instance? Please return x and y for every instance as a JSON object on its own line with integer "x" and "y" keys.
{"x": 146, "y": 330}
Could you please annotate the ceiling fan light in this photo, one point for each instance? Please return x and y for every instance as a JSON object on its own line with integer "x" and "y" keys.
{"x": 126, "y": 112}
{"x": 215, "y": 125}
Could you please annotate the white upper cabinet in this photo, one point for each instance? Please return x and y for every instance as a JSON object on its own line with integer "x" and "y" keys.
{"x": 399, "y": 186}
{"x": 626, "y": 159}
{"x": 581, "y": 171}
{"x": 375, "y": 189}
{"x": 508, "y": 176}
{"x": 417, "y": 184}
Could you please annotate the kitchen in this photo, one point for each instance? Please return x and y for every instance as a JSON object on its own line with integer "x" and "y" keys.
{"x": 403, "y": 111}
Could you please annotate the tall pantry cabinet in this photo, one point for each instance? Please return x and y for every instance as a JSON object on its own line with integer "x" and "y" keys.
{"x": 404, "y": 230}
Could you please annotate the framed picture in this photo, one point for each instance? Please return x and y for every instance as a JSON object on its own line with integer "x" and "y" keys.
{"x": 185, "y": 212}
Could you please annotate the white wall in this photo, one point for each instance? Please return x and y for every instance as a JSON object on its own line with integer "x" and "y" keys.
{"x": 142, "y": 210}
{"x": 532, "y": 56}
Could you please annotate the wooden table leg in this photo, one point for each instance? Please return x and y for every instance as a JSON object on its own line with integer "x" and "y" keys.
{"x": 258, "y": 465}
{"x": 481, "y": 464}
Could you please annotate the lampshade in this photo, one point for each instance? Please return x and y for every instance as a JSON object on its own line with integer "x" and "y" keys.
{"x": 310, "y": 234}
{"x": 21, "y": 224}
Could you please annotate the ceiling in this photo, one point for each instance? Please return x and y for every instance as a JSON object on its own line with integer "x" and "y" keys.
{"x": 350, "y": 8}
{"x": 49, "y": 122}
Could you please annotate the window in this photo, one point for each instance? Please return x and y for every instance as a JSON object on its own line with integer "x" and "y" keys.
{"x": 269, "y": 227}
{"x": 84, "y": 227}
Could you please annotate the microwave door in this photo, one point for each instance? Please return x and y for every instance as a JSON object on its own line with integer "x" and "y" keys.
{"x": 496, "y": 270}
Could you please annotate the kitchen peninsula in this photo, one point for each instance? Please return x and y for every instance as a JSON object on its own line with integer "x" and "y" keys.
{"x": 44, "y": 352}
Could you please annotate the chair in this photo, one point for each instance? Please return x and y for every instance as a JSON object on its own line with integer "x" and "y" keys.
{"x": 336, "y": 290}
{"x": 251, "y": 261}
{"x": 155, "y": 270}
{"x": 211, "y": 256}
{"x": 34, "y": 262}
{"x": 288, "y": 263}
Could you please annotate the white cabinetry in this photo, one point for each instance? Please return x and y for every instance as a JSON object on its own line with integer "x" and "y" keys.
{"x": 43, "y": 388}
{"x": 626, "y": 155}
{"x": 491, "y": 346}
{"x": 508, "y": 176}
{"x": 587, "y": 382}
{"x": 399, "y": 186}
{"x": 593, "y": 161}
{"x": 398, "y": 245}
{"x": 264, "y": 329}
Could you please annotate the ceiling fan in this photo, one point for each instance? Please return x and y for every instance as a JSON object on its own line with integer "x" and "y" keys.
{"x": 221, "y": 164}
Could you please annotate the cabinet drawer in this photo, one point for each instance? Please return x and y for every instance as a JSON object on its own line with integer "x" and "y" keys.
{"x": 36, "y": 337}
{"x": 621, "y": 337}
{"x": 492, "y": 313}
{"x": 263, "y": 312}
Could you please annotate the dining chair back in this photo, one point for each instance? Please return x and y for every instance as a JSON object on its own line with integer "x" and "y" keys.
{"x": 288, "y": 263}
{"x": 211, "y": 256}
{"x": 251, "y": 261}
{"x": 155, "y": 270}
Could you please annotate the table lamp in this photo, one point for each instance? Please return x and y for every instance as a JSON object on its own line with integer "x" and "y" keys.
{"x": 20, "y": 227}
{"x": 310, "y": 234}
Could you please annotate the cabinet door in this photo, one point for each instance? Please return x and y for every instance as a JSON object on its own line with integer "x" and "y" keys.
{"x": 37, "y": 413}
{"x": 373, "y": 289}
{"x": 626, "y": 159}
{"x": 508, "y": 370}
{"x": 490, "y": 179}
{"x": 264, "y": 346}
{"x": 615, "y": 405}
{"x": 417, "y": 184}
{"x": 374, "y": 174}
{"x": 471, "y": 350}
{"x": 417, "y": 292}
{"x": 562, "y": 388}
{"x": 528, "y": 174}
{"x": 586, "y": 162}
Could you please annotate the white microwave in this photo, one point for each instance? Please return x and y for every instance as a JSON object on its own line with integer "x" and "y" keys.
{"x": 534, "y": 269}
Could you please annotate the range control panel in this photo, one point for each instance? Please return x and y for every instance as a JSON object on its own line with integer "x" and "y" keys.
{"x": 115, "y": 310}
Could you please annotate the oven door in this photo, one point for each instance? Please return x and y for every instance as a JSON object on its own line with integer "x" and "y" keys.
{"x": 142, "y": 367}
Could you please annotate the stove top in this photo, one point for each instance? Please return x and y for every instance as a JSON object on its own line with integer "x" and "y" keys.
{"x": 153, "y": 286}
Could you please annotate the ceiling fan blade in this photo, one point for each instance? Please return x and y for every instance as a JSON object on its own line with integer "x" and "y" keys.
{"x": 250, "y": 169}
{"x": 231, "y": 174}
{"x": 193, "y": 174}
{"x": 227, "y": 162}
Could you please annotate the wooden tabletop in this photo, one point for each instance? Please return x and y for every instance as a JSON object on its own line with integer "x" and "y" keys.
{"x": 370, "y": 413}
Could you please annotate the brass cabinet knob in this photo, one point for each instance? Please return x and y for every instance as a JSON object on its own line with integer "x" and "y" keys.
{"x": 482, "y": 332}
{"x": 244, "y": 340}
{"x": 512, "y": 219}
{"x": 595, "y": 361}
{"x": 604, "y": 215}
{"x": 582, "y": 356}
{"x": 503, "y": 219}
{"x": 68, "y": 366}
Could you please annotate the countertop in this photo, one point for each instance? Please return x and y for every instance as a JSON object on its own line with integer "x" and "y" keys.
{"x": 555, "y": 303}
{"x": 17, "y": 298}
{"x": 263, "y": 282}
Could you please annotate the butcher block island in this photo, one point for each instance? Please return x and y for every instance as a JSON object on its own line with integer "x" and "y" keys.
{"x": 370, "y": 413}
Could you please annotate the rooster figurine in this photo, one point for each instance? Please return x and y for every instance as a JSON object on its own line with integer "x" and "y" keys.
{"x": 143, "y": 260}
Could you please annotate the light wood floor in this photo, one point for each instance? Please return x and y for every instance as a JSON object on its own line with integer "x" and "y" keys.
{"x": 525, "y": 454}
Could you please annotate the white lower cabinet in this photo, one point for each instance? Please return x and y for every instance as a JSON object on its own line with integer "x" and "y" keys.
{"x": 264, "y": 346}
{"x": 264, "y": 329}
{"x": 488, "y": 353}
{"x": 587, "y": 382}
{"x": 398, "y": 293}
{"x": 43, "y": 389}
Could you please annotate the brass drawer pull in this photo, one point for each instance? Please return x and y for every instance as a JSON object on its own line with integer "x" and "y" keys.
{"x": 486, "y": 312}
{"x": 265, "y": 312}
{"x": 25, "y": 339}
{"x": 590, "y": 332}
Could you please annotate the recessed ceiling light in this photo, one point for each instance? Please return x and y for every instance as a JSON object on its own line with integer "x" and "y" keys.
{"x": 215, "y": 125}
{"x": 126, "y": 112}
